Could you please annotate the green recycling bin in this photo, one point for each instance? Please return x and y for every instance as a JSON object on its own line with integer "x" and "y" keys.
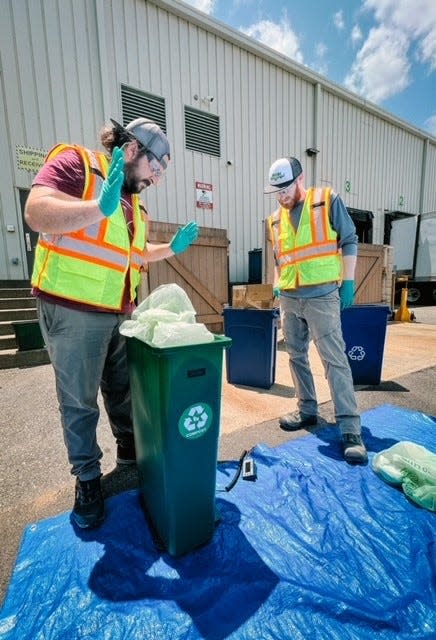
{"x": 28, "y": 335}
{"x": 176, "y": 403}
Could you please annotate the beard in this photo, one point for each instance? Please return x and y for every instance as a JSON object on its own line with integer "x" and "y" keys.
{"x": 291, "y": 201}
{"x": 132, "y": 182}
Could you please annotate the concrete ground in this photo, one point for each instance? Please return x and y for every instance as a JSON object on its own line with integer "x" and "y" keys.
{"x": 35, "y": 482}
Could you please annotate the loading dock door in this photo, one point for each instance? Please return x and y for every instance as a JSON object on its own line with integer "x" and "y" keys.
{"x": 363, "y": 222}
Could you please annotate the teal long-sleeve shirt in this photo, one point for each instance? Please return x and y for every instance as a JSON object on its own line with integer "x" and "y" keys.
{"x": 347, "y": 241}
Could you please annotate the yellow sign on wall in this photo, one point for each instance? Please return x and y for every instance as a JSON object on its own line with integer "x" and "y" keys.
{"x": 29, "y": 158}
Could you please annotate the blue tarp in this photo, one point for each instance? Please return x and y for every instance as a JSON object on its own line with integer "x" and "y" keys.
{"x": 314, "y": 549}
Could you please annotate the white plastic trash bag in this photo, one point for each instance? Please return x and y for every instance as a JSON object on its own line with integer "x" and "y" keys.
{"x": 411, "y": 466}
{"x": 166, "y": 318}
{"x": 169, "y": 297}
{"x": 176, "y": 333}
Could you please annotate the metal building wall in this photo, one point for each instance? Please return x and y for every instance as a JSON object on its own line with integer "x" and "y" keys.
{"x": 429, "y": 178}
{"x": 63, "y": 64}
{"x": 51, "y": 92}
{"x": 373, "y": 164}
{"x": 174, "y": 58}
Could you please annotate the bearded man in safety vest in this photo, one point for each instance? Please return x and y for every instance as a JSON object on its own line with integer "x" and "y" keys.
{"x": 92, "y": 247}
{"x": 315, "y": 246}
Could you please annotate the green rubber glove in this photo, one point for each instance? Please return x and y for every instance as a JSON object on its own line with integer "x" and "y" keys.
{"x": 110, "y": 193}
{"x": 346, "y": 294}
{"x": 184, "y": 237}
{"x": 276, "y": 292}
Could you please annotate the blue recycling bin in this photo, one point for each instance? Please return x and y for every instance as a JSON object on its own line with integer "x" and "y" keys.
{"x": 364, "y": 331}
{"x": 251, "y": 360}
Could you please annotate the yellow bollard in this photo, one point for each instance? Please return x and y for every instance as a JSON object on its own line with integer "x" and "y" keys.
{"x": 403, "y": 313}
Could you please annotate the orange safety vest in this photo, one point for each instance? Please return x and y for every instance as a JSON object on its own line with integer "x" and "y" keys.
{"x": 90, "y": 265}
{"x": 309, "y": 255}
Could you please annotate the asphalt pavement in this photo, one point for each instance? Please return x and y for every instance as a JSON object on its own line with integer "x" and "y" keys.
{"x": 35, "y": 480}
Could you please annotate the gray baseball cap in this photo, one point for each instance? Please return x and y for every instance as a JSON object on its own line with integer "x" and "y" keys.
{"x": 149, "y": 135}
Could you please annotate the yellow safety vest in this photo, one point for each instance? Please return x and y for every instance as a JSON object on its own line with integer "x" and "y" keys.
{"x": 309, "y": 255}
{"x": 90, "y": 265}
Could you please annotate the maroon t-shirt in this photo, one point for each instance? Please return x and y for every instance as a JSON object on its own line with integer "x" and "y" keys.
{"x": 66, "y": 173}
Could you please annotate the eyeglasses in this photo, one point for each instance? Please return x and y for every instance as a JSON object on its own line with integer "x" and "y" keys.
{"x": 285, "y": 191}
{"x": 155, "y": 166}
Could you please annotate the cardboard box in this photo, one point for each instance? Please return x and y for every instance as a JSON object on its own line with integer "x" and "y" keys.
{"x": 238, "y": 296}
{"x": 252, "y": 296}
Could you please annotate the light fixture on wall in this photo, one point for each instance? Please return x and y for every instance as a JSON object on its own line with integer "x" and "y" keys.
{"x": 205, "y": 100}
{"x": 311, "y": 151}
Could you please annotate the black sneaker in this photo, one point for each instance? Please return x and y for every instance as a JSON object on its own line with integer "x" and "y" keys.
{"x": 126, "y": 453}
{"x": 88, "y": 511}
{"x": 297, "y": 420}
{"x": 354, "y": 449}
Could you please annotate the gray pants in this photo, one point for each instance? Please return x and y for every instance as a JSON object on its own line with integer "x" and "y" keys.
{"x": 319, "y": 319}
{"x": 87, "y": 353}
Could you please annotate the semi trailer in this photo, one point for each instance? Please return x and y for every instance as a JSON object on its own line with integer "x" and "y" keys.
{"x": 414, "y": 258}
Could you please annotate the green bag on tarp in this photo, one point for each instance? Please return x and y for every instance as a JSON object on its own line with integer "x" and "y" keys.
{"x": 413, "y": 467}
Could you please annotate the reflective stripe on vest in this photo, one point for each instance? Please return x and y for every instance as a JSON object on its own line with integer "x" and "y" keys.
{"x": 310, "y": 255}
{"x": 90, "y": 265}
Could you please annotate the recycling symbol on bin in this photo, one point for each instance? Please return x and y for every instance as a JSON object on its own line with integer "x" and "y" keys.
{"x": 195, "y": 420}
{"x": 356, "y": 353}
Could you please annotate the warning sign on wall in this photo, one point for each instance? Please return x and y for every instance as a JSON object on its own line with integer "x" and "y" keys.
{"x": 204, "y": 195}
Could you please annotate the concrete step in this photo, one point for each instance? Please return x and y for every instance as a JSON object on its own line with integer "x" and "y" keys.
{"x": 12, "y": 358}
{"x": 6, "y": 328}
{"x": 9, "y": 292}
{"x": 14, "y": 284}
{"x": 8, "y": 342}
{"x": 10, "y": 315}
{"x": 17, "y": 303}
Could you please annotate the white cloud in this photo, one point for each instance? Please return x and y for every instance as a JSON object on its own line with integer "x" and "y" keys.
{"x": 356, "y": 34}
{"x": 320, "y": 50}
{"x": 320, "y": 64}
{"x": 207, "y": 6}
{"x": 382, "y": 66}
{"x": 428, "y": 49}
{"x": 278, "y": 36}
{"x": 416, "y": 18}
{"x": 430, "y": 125}
{"x": 338, "y": 20}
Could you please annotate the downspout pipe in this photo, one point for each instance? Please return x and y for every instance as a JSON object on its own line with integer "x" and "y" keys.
{"x": 421, "y": 203}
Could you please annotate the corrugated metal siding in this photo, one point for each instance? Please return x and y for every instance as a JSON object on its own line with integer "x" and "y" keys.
{"x": 51, "y": 70}
{"x": 258, "y": 105}
{"x": 380, "y": 162}
{"x": 70, "y": 59}
{"x": 52, "y": 50}
{"x": 429, "y": 196}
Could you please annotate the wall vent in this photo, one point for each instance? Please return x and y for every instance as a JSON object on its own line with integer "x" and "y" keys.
{"x": 139, "y": 104}
{"x": 202, "y": 132}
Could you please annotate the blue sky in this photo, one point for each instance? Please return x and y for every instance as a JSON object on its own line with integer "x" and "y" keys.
{"x": 383, "y": 50}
